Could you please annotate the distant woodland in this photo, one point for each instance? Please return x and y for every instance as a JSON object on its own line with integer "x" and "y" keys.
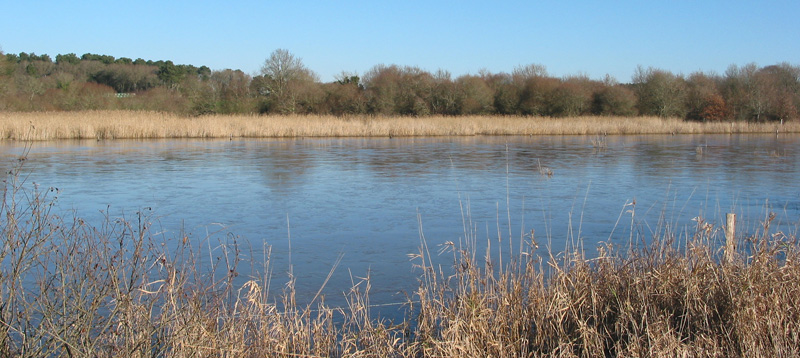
{"x": 284, "y": 85}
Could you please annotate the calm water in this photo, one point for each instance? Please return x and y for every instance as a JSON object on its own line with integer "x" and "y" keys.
{"x": 365, "y": 198}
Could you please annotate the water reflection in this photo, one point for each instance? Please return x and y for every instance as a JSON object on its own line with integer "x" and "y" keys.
{"x": 361, "y": 197}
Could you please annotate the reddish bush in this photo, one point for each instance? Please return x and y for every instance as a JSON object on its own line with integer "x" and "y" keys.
{"x": 713, "y": 109}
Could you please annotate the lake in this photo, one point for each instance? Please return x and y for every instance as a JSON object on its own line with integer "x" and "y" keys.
{"x": 367, "y": 200}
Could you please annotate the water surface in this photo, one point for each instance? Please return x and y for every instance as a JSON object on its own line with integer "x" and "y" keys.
{"x": 367, "y": 199}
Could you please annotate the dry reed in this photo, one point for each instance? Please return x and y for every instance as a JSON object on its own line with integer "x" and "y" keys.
{"x": 71, "y": 289}
{"x": 141, "y": 125}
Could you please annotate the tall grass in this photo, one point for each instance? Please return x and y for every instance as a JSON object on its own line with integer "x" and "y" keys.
{"x": 133, "y": 124}
{"x": 68, "y": 288}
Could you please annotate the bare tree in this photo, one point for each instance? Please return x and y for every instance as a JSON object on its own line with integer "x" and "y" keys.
{"x": 474, "y": 95}
{"x": 524, "y": 73}
{"x": 659, "y": 92}
{"x": 284, "y": 78}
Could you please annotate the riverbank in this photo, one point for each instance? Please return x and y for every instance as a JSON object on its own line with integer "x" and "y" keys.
{"x": 146, "y": 125}
{"x": 122, "y": 289}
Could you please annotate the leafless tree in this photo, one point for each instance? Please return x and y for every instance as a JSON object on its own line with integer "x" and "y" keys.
{"x": 284, "y": 78}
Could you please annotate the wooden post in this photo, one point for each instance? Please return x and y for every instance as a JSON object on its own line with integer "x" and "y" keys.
{"x": 730, "y": 238}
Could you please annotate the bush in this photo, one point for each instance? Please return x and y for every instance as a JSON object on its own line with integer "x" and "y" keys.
{"x": 614, "y": 100}
{"x": 713, "y": 109}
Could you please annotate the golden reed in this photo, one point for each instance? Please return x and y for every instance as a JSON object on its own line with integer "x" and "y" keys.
{"x": 142, "y": 125}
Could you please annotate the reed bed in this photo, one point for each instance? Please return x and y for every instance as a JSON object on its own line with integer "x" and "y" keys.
{"x": 141, "y": 125}
{"x": 119, "y": 289}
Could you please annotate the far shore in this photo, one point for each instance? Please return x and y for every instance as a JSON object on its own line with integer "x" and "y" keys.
{"x": 25, "y": 126}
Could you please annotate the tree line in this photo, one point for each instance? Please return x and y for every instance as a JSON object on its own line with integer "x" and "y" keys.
{"x": 284, "y": 85}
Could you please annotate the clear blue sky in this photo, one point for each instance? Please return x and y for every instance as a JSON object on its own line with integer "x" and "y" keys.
{"x": 567, "y": 37}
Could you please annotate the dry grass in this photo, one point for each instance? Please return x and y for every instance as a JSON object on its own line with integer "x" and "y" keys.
{"x": 140, "y": 125}
{"x": 70, "y": 289}
{"x": 658, "y": 300}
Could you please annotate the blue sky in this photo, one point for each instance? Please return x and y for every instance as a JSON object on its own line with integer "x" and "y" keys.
{"x": 568, "y": 37}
